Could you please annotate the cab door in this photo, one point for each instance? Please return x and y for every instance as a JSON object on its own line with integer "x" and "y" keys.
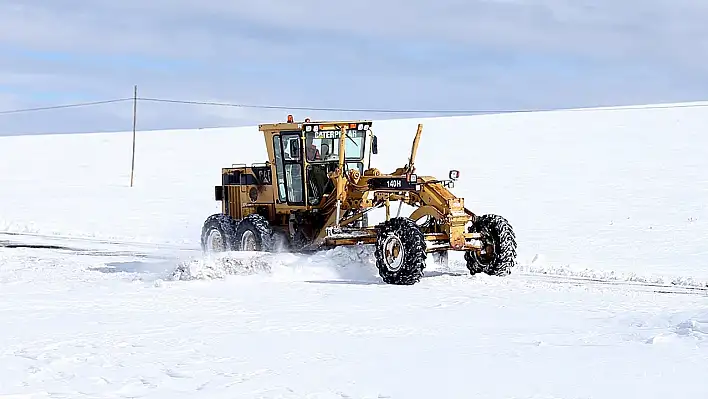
{"x": 288, "y": 165}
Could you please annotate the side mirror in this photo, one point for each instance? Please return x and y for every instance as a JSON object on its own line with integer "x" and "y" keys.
{"x": 454, "y": 174}
{"x": 295, "y": 149}
{"x": 375, "y": 145}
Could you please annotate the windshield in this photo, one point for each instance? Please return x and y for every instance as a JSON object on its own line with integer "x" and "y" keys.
{"x": 323, "y": 145}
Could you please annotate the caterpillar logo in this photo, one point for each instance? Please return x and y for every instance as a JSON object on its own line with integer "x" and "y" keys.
{"x": 335, "y": 134}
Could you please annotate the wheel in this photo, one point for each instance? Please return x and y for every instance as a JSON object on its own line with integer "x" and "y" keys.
{"x": 218, "y": 233}
{"x": 400, "y": 252}
{"x": 254, "y": 234}
{"x": 498, "y": 255}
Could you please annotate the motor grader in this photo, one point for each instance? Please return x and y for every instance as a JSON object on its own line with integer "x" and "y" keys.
{"x": 316, "y": 191}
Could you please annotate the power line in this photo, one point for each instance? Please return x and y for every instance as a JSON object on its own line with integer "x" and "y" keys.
{"x": 301, "y": 108}
{"x": 424, "y": 111}
{"x": 361, "y": 110}
{"x": 258, "y": 106}
{"x": 74, "y": 105}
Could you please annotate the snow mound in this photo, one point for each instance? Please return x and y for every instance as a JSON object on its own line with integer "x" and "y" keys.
{"x": 341, "y": 263}
{"x": 218, "y": 266}
{"x": 692, "y": 326}
{"x": 696, "y": 327}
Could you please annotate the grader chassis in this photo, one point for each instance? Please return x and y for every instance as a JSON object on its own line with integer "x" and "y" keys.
{"x": 317, "y": 188}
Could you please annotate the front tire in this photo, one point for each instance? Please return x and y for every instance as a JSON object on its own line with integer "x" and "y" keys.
{"x": 218, "y": 233}
{"x": 400, "y": 252}
{"x": 498, "y": 255}
{"x": 255, "y": 234}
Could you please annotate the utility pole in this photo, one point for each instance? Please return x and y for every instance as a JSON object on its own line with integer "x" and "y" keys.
{"x": 135, "y": 112}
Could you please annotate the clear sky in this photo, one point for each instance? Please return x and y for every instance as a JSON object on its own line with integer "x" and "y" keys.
{"x": 387, "y": 54}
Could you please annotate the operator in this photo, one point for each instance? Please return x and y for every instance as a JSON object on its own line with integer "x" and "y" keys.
{"x": 311, "y": 150}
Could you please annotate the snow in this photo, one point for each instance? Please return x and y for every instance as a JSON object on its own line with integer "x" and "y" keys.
{"x": 106, "y": 294}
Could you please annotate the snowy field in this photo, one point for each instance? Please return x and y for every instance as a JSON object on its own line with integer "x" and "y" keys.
{"x": 610, "y": 300}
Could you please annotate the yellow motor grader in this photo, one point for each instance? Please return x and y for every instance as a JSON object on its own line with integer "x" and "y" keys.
{"x": 316, "y": 191}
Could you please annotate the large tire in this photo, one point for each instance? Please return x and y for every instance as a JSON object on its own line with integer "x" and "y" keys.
{"x": 255, "y": 234}
{"x": 400, "y": 236}
{"x": 499, "y": 254}
{"x": 218, "y": 233}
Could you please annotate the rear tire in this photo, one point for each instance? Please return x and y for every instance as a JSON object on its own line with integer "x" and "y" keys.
{"x": 498, "y": 256}
{"x": 400, "y": 252}
{"x": 218, "y": 233}
{"x": 254, "y": 234}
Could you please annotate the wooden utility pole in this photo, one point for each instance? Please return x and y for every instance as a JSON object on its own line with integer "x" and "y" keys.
{"x": 135, "y": 112}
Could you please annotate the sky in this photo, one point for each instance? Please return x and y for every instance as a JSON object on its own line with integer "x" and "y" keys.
{"x": 445, "y": 55}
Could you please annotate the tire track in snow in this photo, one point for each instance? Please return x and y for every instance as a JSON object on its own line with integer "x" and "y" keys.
{"x": 675, "y": 285}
